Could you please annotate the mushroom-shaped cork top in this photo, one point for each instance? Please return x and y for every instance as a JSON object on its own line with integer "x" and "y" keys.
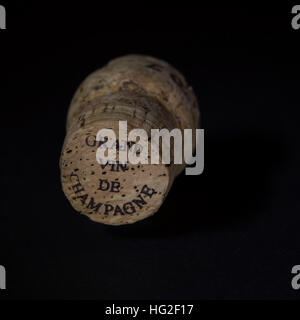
{"x": 141, "y": 91}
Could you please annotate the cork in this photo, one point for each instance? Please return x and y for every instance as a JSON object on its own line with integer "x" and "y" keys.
{"x": 146, "y": 92}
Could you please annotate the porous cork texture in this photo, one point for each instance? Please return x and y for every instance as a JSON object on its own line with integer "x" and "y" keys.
{"x": 146, "y": 92}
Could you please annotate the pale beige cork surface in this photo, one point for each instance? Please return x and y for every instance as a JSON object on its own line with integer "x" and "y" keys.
{"x": 146, "y": 92}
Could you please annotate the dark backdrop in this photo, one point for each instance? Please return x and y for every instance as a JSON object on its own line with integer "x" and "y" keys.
{"x": 230, "y": 233}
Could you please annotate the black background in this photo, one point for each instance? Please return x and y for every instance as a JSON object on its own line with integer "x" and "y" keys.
{"x": 230, "y": 233}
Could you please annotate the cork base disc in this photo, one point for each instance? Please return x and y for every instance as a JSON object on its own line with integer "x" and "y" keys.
{"x": 112, "y": 194}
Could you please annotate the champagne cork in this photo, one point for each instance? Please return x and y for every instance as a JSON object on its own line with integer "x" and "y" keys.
{"x": 146, "y": 92}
